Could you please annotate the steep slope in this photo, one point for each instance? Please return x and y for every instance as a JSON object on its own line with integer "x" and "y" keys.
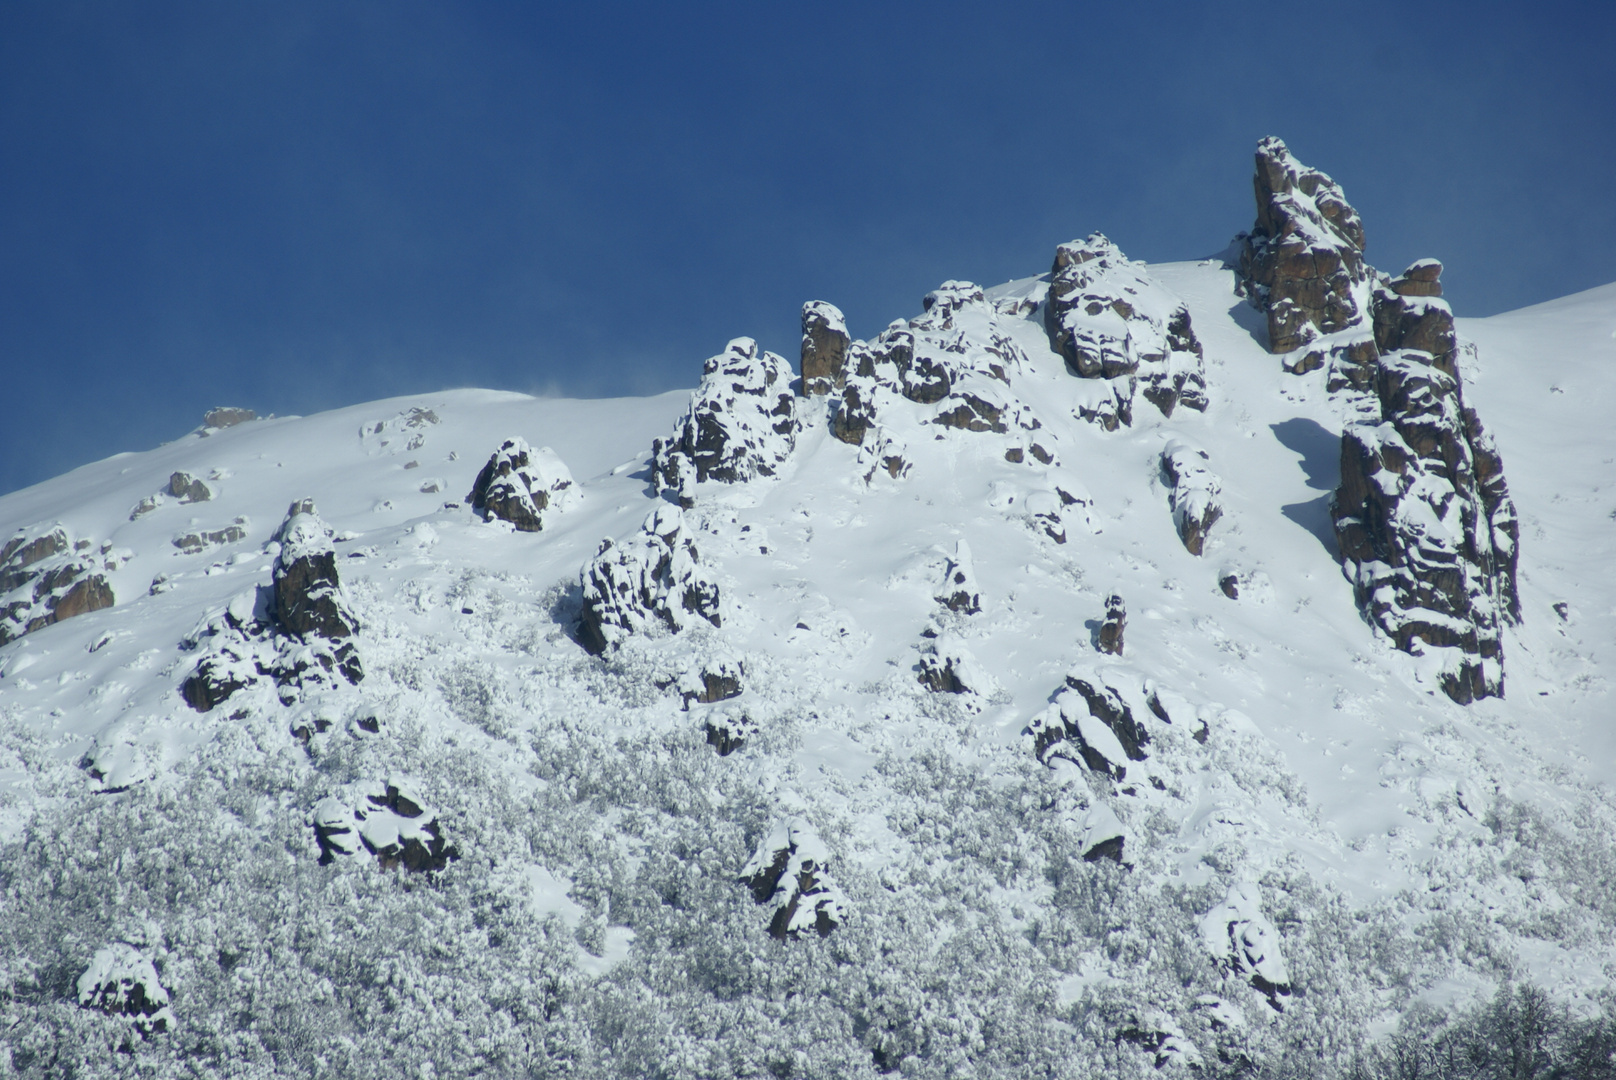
{"x": 999, "y": 706}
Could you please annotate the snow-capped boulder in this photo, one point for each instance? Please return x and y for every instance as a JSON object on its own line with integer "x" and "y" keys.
{"x": 1192, "y": 493}
{"x": 199, "y": 540}
{"x": 957, "y": 590}
{"x": 789, "y": 871}
{"x": 519, "y": 484}
{"x": 389, "y": 821}
{"x": 729, "y": 728}
{"x": 742, "y": 422}
{"x": 122, "y": 981}
{"x": 653, "y": 579}
{"x": 1088, "y": 723}
{"x": 46, "y": 576}
{"x": 1102, "y": 834}
{"x": 1245, "y": 944}
{"x": 824, "y": 348}
{"x": 1112, "y": 322}
{"x": 712, "y": 681}
{"x": 942, "y": 302}
{"x": 1427, "y": 529}
{"x": 1304, "y": 257}
{"x": 1114, "y": 626}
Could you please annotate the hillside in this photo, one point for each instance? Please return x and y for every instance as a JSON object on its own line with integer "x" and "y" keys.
{"x": 829, "y": 764}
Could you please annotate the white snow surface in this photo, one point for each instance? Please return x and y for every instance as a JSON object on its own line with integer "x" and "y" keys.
{"x": 1297, "y": 744}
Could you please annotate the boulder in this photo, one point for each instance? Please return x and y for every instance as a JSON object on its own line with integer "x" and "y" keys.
{"x": 1111, "y": 320}
{"x": 788, "y": 871}
{"x": 519, "y": 484}
{"x": 1303, "y": 260}
{"x": 728, "y": 729}
{"x": 1192, "y": 493}
{"x": 1088, "y": 723}
{"x": 824, "y": 348}
{"x": 655, "y": 579}
{"x": 742, "y": 423}
{"x": 948, "y": 667}
{"x": 122, "y": 981}
{"x": 713, "y": 681}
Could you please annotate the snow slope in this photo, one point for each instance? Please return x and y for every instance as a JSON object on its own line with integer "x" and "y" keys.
{"x": 1315, "y": 838}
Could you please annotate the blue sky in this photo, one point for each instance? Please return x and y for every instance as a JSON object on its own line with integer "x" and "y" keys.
{"x": 296, "y": 206}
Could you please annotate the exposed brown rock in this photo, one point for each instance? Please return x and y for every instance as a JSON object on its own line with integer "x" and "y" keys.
{"x": 1116, "y": 622}
{"x": 824, "y": 348}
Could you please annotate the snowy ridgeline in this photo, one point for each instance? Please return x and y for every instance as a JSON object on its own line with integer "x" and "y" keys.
{"x": 986, "y": 699}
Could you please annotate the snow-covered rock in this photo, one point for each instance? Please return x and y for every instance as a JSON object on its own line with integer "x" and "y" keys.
{"x": 519, "y": 484}
{"x": 1304, "y": 257}
{"x": 655, "y": 579}
{"x": 789, "y": 871}
{"x": 122, "y": 981}
{"x": 742, "y": 422}
{"x": 1245, "y": 944}
{"x": 824, "y": 348}
{"x": 957, "y": 590}
{"x": 1113, "y": 322}
{"x": 1109, "y": 638}
{"x": 46, "y": 576}
{"x": 389, "y": 821}
{"x": 1193, "y": 490}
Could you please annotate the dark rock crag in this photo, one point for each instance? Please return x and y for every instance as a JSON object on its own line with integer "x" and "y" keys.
{"x": 518, "y": 484}
{"x": 824, "y": 348}
{"x": 1428, "y": 533}
{"x": 46, "y": 576}
{"x": 1114, "y": 625}
{"x": 1090, "y": 724}
{"x": 1115, "y": 324}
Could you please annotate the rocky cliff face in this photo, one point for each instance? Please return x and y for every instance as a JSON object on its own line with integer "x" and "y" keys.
{"x": 46, "y": 576}
{"x": 1427, "y": 530}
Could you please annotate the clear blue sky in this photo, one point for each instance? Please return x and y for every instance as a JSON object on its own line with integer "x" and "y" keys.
{"x": 295, "y": 206}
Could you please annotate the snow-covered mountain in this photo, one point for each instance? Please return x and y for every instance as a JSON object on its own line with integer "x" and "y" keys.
{"x": 1196, "y": 665}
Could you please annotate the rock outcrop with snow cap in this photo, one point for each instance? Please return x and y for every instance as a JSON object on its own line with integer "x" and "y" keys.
{"x": 297, "y": 632}
{"x": 655, "y": 579}
{"x": 46, "y": 576}
{"x": 1304, "y": 257}
{"x": 1245, "y": 944}
{"x": 1115, "y": 324}
{"x": 1192, "y": 493}
{"x": 742, "y": 423}
{"x": 824, "y": 348}
{"x": 122, "y": 981}
{"x": 520, "y": 483}
{"x": 389, "y": 821}
{"x": 789, "y": 872}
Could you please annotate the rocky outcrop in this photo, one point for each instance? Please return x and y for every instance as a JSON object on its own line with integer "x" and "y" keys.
{"x": 296, "y": 632}
{"x": 958, "y": 590}
{"x": 1245, "y": 944}
{"x": 824, "y": 348}
{"x": 729, "y": 729}
{"x": 1115, "y": 324}
{"x": 1303, "y": 260}
{"x": 1109, "y": 638}
{"x": 654, "y": 580}
{"x": 1089, "y": 723}
{"x": 948, "y": 667}
{"x": 1192, "y": 493}
{"x": 388, "y": 821}
{"x": 122, "y": 981}
{"x": 200, "y": 540}
{"x": 519, "y": 484}
{"x": 223, "y": 416}
{"x": 1427, "y": 529}
{"x": 789, "y": 872}
{"x": 46, "y": 576}
{"x": 188, "y": 489}
{"x": 742, "y": 423}
{"x": 710, "y": 682}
